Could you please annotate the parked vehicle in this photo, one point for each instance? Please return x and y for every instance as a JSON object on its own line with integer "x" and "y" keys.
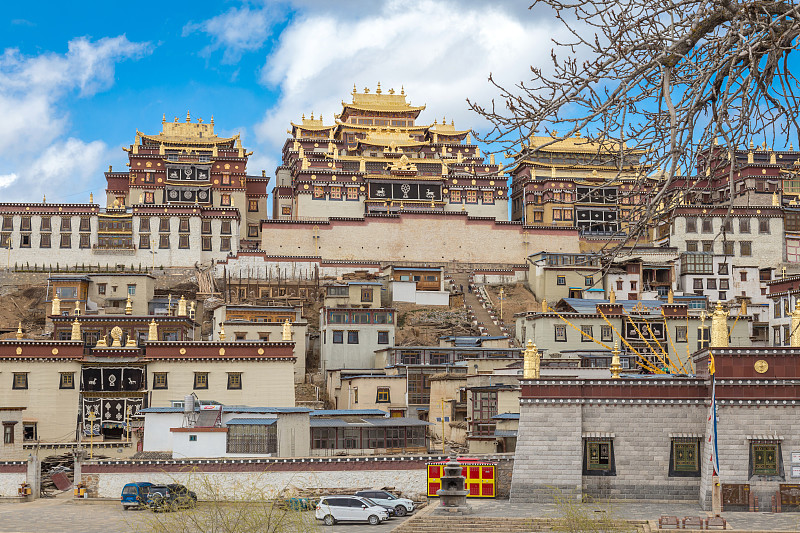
{"x": 134, "y": 495}
{"x": 170, "y": 497}
{"x": 332, "y": 509}
{"x": 401, "y": 506}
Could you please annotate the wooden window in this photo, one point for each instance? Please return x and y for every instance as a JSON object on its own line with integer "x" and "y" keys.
{"x": 66, "y": 240}
{"x": 588, "y": 281}
{"x": 319, "y": 192}
{"x": 763, "y": 226}
{"x": 382, "y": 395}
{"x": 338, "y": 336}
{"x": 183, "y": 242}
{"x": 691, "y": 225}
{"x": 586, "y": 334}
{"x": 538, "y": 216}
{"x": 561, "y": 280}
{"x": 25, "y": 240}
{"x": 205, "y": 227}
{"x": 703, "y": 337}
{"x": 225, "y": 200}
{"x": 560, "y": 332}
{"x": 472, "y": 197}
{"x": 352, "y": 193}
{"x": 727, "y": 247}
{"x": 234, "y": 380}
{"x": 366, "y": 295}
{"x": 727, "y": 225}
{"x": 455, "y": 196}
{"x": 163, "y": 242}
{"x": 685, "y": 454}
{"x": 336, "y": 193}
{"x": 226, "y": 179}
{"x": 8, "y": 223}
{"x": 681, "y": 334}
{"x": 206, "y": 244}
{"x": 101, "y": 288}
{"x": 26, "y": 224}
{"x": 163, "y": 224}
{"x": 20, "y": 380}
{"x": 85, "y": 224}
{"x": 691, "y": 246}
{"x": 383, "y": 337}
{"x": 744, "y": 225}
{"x": 160, "y": 380}
{"x": 8, "y": 432}
{"x": 488, "y": 197}
{"x": 85, "y": 240}
{"x": 183, "y": 225}
{"x": 144, "y": 241}
{"x": 66, "y": 380}
{"x": 201, "y": 380}
{"x": 252, "y": 230}
{"x": 556, "y": 214}
{"x": 708, "y": 227}
{"x": 745, "y": 250}
{"x": 226, "y": 227}
{"x": 598, "y": 457}
{"x": 66, "y": 223}
{"x": 708, "y": 246}
{"x": 45, "y": 224}
{"x": 286, "y": 210}
{"x": 144, "y": 224}
{"x": 44, "y": 240}
{"x": 149, "y": 198}
{"x": 352, "y": 337}
{"x": 765, "y": 459}
{"x": 606, "y": 333}
{"x": 252, "y": 206}
{"x": 225, "y": 244}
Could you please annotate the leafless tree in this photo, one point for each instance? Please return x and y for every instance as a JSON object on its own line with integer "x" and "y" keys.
{"x": 676, "y": 80}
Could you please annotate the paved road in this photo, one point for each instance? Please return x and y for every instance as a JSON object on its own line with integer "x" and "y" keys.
{"x": 61, "y": 514}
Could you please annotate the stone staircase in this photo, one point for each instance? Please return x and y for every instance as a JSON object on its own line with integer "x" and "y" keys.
{"x": 472, "y": 302}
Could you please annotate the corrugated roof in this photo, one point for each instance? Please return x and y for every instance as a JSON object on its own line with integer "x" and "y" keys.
{"x": 251, "y": 422}
{"x": 505, "y": 432}
{"x": 368, "y": 422}
{"x": 587, "y": 306}
{"x": 344, "y": 378}
{"x": 232, "y": 409}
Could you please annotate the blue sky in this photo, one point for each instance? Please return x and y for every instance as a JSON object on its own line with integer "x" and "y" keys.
{"x": 76, "y": 83}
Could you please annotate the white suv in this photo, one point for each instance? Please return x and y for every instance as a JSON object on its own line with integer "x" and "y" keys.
{"x": 332, "y": 509}
{"x": 401, "y": 506}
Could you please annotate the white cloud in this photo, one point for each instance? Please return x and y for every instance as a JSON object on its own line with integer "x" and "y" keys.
{"x": 7, "y": 179}
{"x": 32, "y": 94}
{"x": 236, "y": 31}
{"x": 442, "y": 51}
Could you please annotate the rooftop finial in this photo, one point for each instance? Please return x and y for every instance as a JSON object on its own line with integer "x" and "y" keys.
{"x": 354, "y": 89}
{"x": 402, "y": 90}
{"x": 312, "y": 115}
{"x": 163, "y": 118}
{"x": 212, "y": 120}
{"x": 615, "y": 364}
{"x": 188, "y": 117}
{"x": 366, "y": 90}
{"x": 378, "y": 90}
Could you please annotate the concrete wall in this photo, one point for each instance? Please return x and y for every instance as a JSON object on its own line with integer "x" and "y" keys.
{"x": 414, "y": 237}
{"x": 12, "y": 475}
{"x": 361, "y": 355}
{"x": 208, "y": 443}
{"x": 406, "y": 291}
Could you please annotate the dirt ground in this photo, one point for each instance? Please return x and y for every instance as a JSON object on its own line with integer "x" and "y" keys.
{"x": 24, "y": 304}
{"x": 518, "y": 299}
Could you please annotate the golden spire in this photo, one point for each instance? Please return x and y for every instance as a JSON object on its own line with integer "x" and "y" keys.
{"x": 152, "y": 331}
{"x": 91, "y": 198}
{"x": 222, "y": 332}
{"x": 616, "y": 367}
{"x": 530, "y": 362}
{"x": 128, "y": 306}
{"x": 354, "y": 89}
{"x": 287, "y": 330}
{"x": 719, "y": 327}
{"x": 55, "y": 307}
{"x": 19, "y": 331}
{"x": 402, "y": 90}
{"x": 670, "y": 297}
{"x": 76, "y": 330}
{"x": 794, "y": 337}
{"x": 378, "y": 90}
{"x": 44, "y": 198}
{"x": 544, "y": 305}
{"x": 188, "y": 116}
{"x": 182, "y": 306}
{"x": 612, "y": 297}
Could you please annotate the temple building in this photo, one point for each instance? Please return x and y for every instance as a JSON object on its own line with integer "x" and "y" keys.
{"x": 374, "y": 158}
{"x": 581, "y": 183}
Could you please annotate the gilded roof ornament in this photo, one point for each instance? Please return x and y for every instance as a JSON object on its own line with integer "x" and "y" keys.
{"x": 19, "y": 331}
{"x": 794, "y": 336}
{"x": 76, "y": 331}
{"x": 719, "y": 327}
{"x": 152, "y": 331}
{"x": 531, "y": 362}
{"x": 616, "y": 367}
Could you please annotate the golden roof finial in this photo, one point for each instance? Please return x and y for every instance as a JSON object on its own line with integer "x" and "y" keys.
{"x": 794, "y": 337}
{"x": 545, "y": 308}
{"x": 391, "y": 91}
{"x": 188, "y": 116}
{"x": 366, "y": 90}
{"x": 212, "y": 120}
{"x": 378, "y": 90}
{"x": 116, "y": 337}
{"x": 354, "y": 89}
{"x": 163, "y": 118}
{"x": 670, "y": 297}
{"x": 19, "y": 331}
{"x": 287, "y": 330}
{"x": 44, "y": 198}
{"x": 402, "y": 90}
{"x": 55, "y": 307}
{"x": 616, "y": 367}
{"x": 719, "y": 327}
{"x": 91, "y": 198}
{"x": 222, "y": 332}
{"x": 530, "y": 362}
{"x": 312, "y": 115}
{"x": 152, "y": 331}
{"x": 77, "y": 310}
{"x": 612, "y": 297}
{"x": 182, "y": 306}
{"x": 303, "y": 116}
{"x": 128, "y": 306}
{"x": 76, "y": 331}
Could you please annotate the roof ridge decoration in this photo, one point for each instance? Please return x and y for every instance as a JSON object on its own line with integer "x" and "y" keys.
{"x": 380, "y": 101}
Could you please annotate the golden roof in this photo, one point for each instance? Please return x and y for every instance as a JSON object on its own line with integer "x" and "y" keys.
{"x": 446, "y": 129}
{"x": 576, "y": 144}
{"x": 378, "y": 101}
{"x": 191, "y": 132}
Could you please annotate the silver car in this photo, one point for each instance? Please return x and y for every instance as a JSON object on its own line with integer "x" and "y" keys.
{"x": 401, "y": 506}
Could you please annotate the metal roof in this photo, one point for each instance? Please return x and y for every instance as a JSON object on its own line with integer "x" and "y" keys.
{"x": 587, "y": 306}
{"x": 348, "y": 412}
{"x": 367, "y": 422}
{"x": 506, "y": 416}
{"x": 505, "y": 432}
{"x": 372, "y": 376}
{"x": 421, "y": 269}
{"x": 251, "y": 421}
{"x": 230, "y": 409}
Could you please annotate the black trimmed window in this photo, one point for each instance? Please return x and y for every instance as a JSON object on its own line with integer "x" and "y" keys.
{"x": 598, "y": 457}
{"x": 338, "y": 336}
{"x": 606, "y": 333}
{"x": 765, "y": 458}
{"x": 205, "y": 243}
{"x": 234, "y": 381}
{"x": 66, "y": 380}
{"x": 20, "y": 380}
{"x": 383, "y": 337}
{"x": 586, "y": 334}
{"x": 163, "y": 242}
{"x": 8, "y": 432}
{"x": 382, "y": 395}
{"x": 224, "y": 244}
{"x": 560, "y": 332}
{"x": 684, "y": 457}
{"x": 561, "y": 280}
{"x": 201, "y": 380}
{"x": 352, "y": 337}
{"x": 160, "y": 380}
{"x": 183, "y": 242}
